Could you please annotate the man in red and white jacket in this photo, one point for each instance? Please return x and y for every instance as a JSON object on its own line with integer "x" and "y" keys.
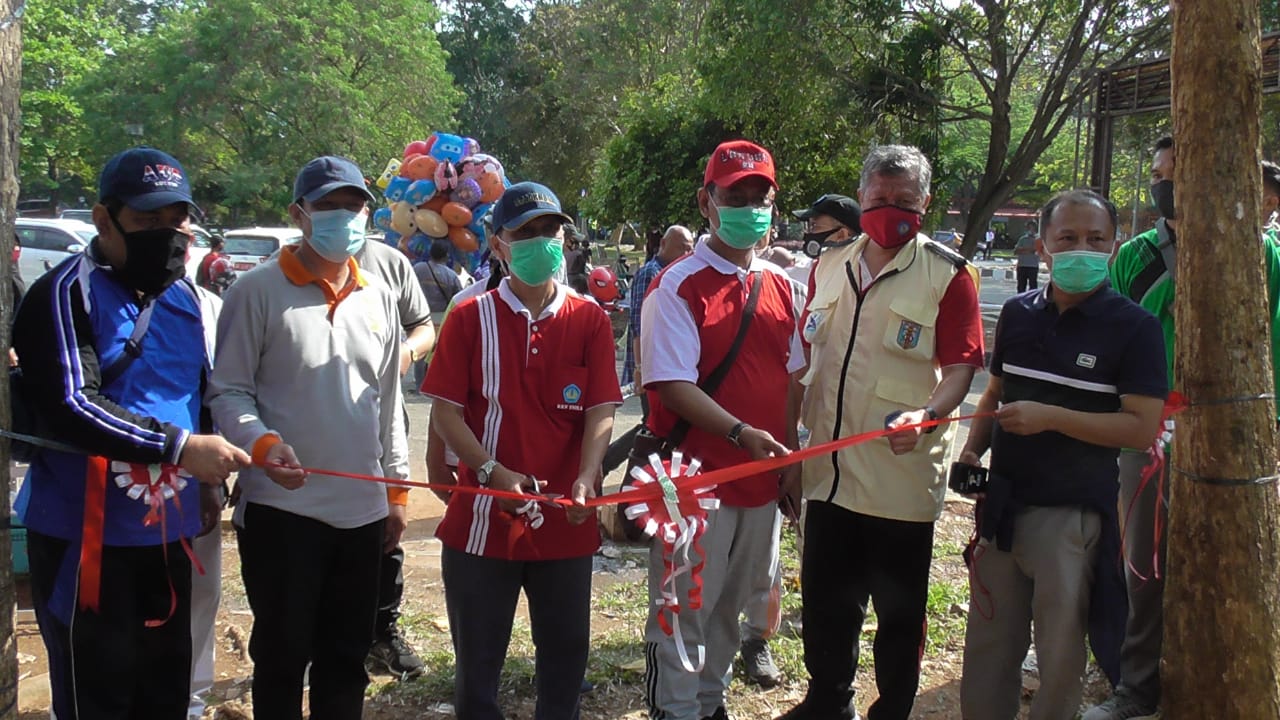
{"x": 690, "y": 317}
{"x": 524, "y": 390}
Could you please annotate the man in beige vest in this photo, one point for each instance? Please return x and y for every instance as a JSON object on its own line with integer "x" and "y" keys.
{"x": 895, "y": 337}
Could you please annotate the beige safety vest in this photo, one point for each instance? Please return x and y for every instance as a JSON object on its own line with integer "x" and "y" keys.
{"x": 871, "y": 357}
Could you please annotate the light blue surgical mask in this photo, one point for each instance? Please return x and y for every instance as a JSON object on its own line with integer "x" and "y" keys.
{"x": 337, "y": 234}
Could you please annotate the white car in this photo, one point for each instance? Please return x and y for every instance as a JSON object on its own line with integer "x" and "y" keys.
{"x": 250, "y": 247}
{"x": 45, "y": 243}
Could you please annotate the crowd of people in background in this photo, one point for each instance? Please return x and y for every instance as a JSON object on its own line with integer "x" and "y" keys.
{"x": 149, "y": 387}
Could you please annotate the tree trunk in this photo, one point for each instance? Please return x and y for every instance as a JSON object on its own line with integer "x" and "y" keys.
{"x": 1222, "y": 601}
{"x": 10, "y": 83}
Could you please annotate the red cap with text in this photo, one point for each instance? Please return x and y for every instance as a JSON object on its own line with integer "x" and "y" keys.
{"x": 738, "y": 159}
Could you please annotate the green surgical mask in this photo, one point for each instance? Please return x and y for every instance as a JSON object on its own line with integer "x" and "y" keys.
{"x": 536, "y": 260}
{"x": 742, "y": 227}
{"x": 1078, "y": 271}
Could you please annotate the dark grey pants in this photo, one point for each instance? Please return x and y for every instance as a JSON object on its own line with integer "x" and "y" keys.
{"x": 1140, "y": 654}
{"x": 481, "y": 595}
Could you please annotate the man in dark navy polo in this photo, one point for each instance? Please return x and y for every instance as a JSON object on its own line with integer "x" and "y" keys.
{"x": 1076, "y": 374}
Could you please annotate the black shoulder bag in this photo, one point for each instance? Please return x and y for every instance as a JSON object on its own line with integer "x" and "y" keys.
{"x": 646, "y": 443}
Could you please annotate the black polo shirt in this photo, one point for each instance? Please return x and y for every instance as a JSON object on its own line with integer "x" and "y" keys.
{"x": 1083, "y": 359}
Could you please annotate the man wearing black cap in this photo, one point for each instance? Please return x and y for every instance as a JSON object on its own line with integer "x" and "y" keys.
{"x": 831, "y": 221}
{"x": 114, "y": 355}
{"x": 307, "y": 374}
{"x": 524, "y": 390}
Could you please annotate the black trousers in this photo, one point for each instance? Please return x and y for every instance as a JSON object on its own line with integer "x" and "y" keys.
{"x": 390, "y": 592}
{"x": 109, "y": 665}
{"x": 313, "y": 589}
{"x": 848, "y": 558}
{"x": 1028, "y": 278}
{"x": 481, "y": 595}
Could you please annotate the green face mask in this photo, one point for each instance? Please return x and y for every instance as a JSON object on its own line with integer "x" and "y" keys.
{"x": 1078, "y": 271}
{"x": 536, "y": 260}
{"x": 742, "y": 227}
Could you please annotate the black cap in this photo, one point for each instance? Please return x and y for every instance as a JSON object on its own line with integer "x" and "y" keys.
{"x": 325, "y": 174}
{"x": 842, "y": 208}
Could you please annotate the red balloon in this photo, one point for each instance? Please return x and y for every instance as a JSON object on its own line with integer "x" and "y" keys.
{"x": 417, "y": 147}
{"x": 464, "y": 239}
{"x": 437, "y": 203}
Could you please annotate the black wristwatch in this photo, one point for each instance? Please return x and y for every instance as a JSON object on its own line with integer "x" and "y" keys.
{"x": 933, "y": 415}
{"x": 735, "y": 434}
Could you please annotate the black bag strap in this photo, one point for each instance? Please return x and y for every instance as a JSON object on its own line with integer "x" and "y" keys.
{"x": 132, "y": 346}
{"x": 712, "y": 383}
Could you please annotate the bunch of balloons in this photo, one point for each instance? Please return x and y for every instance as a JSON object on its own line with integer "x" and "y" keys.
{"x": 441, "y": 189}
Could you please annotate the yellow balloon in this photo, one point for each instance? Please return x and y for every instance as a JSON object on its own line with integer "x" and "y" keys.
{"x": 431, "y": 223}
{"x": 393, "y": 167}
{"x": 402, "y": 218}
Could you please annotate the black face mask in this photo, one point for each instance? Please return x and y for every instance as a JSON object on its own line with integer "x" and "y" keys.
{"x": 815, "y": 243}
{"x": 1162, "y": 198}
{"x": 154, "y": 259}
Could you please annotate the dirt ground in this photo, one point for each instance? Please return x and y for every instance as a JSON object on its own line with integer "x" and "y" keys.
{"x": 616, "y": 664}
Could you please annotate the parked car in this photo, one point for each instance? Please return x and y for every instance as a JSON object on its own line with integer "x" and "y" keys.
{"x": 85, "y": 215}
{"x": 250, "y": 247}
{"x": 46, "y": 243}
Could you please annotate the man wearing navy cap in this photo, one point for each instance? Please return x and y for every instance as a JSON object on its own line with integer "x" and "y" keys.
{"x": 524, "y": 390}
{"x": 307, "y": 375}
{"x": 114, "y": 354}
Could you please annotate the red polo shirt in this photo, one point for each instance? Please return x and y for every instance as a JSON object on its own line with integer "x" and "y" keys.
{"x": 690, "y": 318}
{"x": 524, "y": 385}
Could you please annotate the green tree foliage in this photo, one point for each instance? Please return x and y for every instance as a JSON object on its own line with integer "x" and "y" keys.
{"x": 63, "y": 43}
{"x": 1050, "y": 47}
{"x": 246, "y": 91}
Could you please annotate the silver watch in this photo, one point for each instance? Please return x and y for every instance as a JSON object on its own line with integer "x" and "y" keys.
{"x": 485, "y": 471}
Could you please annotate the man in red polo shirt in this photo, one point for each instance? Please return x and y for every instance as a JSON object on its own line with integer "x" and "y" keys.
{"x": 524, "y": 390}
{"x": 690, "y": 317}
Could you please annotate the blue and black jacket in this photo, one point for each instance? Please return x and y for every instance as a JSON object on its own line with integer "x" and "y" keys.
{"x": 74, "y": 321}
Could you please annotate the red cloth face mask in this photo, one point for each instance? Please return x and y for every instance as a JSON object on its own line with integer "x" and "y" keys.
{"x": 890, "y": 226}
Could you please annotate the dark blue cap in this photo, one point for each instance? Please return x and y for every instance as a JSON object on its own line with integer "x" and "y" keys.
{"x": 523, "y": 202}
{"x": 326, "y": 174}
{"x": 145, "y": 179}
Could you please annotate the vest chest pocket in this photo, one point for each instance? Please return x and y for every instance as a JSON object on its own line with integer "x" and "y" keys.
{"x": 909, "y": 328}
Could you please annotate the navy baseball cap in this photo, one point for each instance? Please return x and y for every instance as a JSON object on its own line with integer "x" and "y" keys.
{"x": 523, "y": 202}
{"x": 325, "y": 174}
{"x": 145, "y": 179}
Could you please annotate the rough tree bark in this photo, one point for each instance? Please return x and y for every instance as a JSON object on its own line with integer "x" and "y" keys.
{"x": 1222, "y": 601}
{"x": 10, "y": 84}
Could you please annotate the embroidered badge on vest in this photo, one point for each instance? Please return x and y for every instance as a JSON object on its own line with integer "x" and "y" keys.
{"x": 909, "y": 335}
{"x": 811, "y": 326}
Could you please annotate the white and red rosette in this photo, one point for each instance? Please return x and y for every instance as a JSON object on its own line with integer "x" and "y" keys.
{"x": 678, "y": 521}
{"x": 152, "y": 484}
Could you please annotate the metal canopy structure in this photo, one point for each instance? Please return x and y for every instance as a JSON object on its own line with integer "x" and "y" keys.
{"x": 1143, "y": 88}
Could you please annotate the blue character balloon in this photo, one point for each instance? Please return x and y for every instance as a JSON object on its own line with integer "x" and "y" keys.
{"x": 419, "y": 192}
{"x": 396, "y": 188}
{"x": 448, "y": 147}
{"x": 382, "y": 218}
{"x": 392, "y": 238}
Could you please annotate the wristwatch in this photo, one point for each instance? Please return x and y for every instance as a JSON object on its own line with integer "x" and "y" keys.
{"x": 485, "y": 471}
{"x": 933, "y": 415}
{"x": 735, "y": 434}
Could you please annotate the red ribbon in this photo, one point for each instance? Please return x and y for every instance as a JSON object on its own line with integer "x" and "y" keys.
{"x": 1154, "y": 469}
{"x": 651, "y": 492}
{"x": 95, "y": 499}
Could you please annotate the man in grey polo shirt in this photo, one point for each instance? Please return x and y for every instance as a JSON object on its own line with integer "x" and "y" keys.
{"x": 307, "y": 374}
